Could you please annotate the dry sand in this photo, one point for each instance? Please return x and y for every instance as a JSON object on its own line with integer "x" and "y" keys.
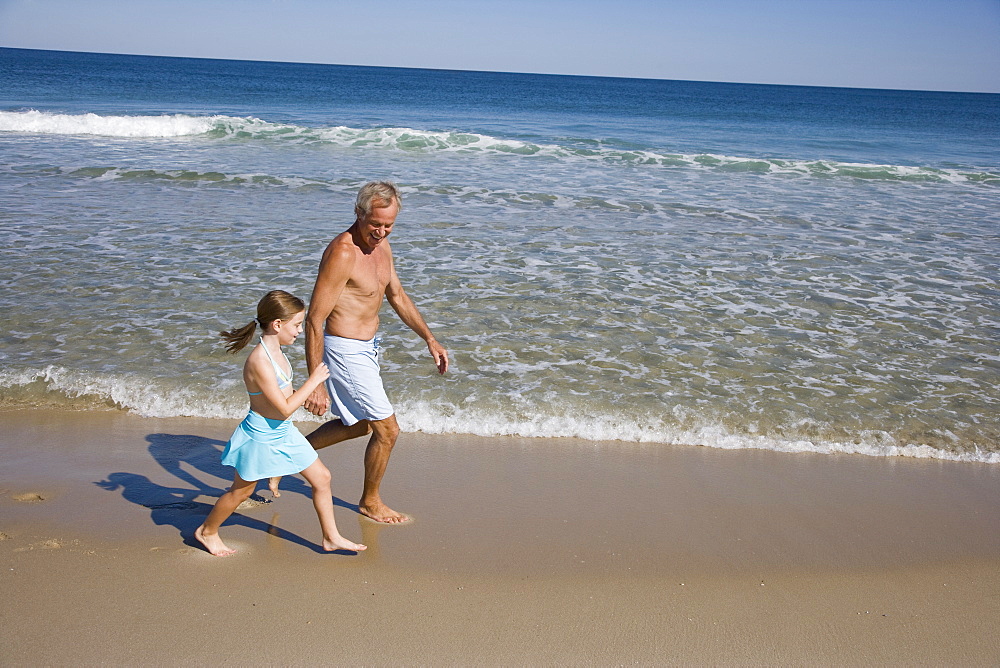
{"x": 523, "y": 551}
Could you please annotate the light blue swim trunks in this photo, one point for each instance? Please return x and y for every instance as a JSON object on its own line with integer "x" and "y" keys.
{"x": 354, "y": 384}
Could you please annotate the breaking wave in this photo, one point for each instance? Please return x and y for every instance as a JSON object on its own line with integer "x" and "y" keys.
{"x": 415, "y": 140}
{"x": 61, "y": 387}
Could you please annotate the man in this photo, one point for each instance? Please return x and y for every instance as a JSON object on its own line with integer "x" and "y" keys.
{"x": 355, "y": 273}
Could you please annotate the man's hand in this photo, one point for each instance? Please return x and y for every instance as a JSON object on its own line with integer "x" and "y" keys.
{"x": 439, "y": 354}
{"x": 318, "y": 402}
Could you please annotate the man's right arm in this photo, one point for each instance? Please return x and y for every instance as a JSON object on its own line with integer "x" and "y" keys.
{"x": 334, "y": 270}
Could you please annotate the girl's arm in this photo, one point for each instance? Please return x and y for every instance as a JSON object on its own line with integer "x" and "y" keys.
{"x": 259, "y": 372}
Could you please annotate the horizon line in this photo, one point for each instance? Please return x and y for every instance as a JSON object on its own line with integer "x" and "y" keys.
{"x": 511, "y": 72}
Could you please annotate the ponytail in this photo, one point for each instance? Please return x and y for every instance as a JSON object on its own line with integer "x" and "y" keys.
{"x": 237, "y": 339}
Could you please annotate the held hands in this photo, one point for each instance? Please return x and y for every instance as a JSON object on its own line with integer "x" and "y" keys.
{"x": 318, "y": 402}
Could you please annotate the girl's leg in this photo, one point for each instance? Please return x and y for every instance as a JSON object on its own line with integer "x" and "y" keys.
{"x": 328, "y": 433}
{"x": 318, "y": 477}
{"x": 208, "y": 533}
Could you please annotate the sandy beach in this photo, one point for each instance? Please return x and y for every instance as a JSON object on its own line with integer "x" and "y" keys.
{"x": 523, "y": 551}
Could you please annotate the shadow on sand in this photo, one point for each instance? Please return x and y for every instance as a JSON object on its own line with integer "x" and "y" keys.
{"x": 180, "y": 508}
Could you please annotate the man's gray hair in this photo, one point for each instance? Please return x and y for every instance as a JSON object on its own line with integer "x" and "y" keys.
{"x": 375, "y": 195}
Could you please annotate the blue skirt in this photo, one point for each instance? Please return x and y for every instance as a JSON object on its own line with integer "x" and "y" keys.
{"x": 263, "y": 448}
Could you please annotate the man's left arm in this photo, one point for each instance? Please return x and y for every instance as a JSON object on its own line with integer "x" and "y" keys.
{"x": 410, "y": 315}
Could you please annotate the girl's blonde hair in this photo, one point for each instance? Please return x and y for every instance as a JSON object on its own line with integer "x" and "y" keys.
{"x": 275, "y": 305}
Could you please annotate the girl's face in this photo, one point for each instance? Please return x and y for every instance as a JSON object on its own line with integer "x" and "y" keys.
{"x": 289, "y": 330}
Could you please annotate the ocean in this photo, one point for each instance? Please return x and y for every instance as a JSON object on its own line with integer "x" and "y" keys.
{"x": 657, "y": 262}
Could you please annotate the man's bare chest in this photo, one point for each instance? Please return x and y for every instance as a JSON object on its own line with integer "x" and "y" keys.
{"x": 370, "y": 275}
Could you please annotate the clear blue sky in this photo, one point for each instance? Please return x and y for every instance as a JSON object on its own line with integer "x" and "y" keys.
{"x": 911, "y": 44}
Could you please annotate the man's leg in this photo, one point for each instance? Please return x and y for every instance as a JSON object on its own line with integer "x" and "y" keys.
{"x": 384, "y": 434}
{"x": 335, "y": 431}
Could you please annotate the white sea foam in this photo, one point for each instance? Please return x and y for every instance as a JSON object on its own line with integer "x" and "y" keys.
{"x": 56, "y": 385}
{"x": 38, "y": 122}
{"x": 427, "y": 418}
{"x": 416, "y": 140}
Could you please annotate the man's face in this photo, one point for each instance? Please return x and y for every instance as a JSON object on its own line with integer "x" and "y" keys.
{"x": 377, "y": 226}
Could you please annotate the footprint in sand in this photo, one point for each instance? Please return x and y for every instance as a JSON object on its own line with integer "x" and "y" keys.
{"x": 4, "y": 536}
{"x": 50, "y": 544}
{"x": 254, "y": 501}
{"x": 29, "y": 497}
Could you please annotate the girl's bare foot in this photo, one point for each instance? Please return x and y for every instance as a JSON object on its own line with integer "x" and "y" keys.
{"x": 272, "y": 484}
{"x": 212, "y": 543}
{"x": 341, "y": 543}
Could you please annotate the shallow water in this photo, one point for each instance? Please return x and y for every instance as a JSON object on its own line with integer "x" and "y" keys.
{"x": 799, "y": 269}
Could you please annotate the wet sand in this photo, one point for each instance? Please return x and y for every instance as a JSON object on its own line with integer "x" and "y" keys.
{"x": 523, "y": 551}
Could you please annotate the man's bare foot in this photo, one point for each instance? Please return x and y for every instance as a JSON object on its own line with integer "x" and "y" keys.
{"x": 383, "y": 514}
{"x": 341, "y": 543}
{"x": 212, "y": 543}
{"x": 272, "y": 484}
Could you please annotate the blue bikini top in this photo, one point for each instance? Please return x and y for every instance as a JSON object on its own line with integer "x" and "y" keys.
{"x": 284, "y": 380}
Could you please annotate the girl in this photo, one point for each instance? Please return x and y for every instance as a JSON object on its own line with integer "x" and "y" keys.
{"x": 267, "y": 443}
